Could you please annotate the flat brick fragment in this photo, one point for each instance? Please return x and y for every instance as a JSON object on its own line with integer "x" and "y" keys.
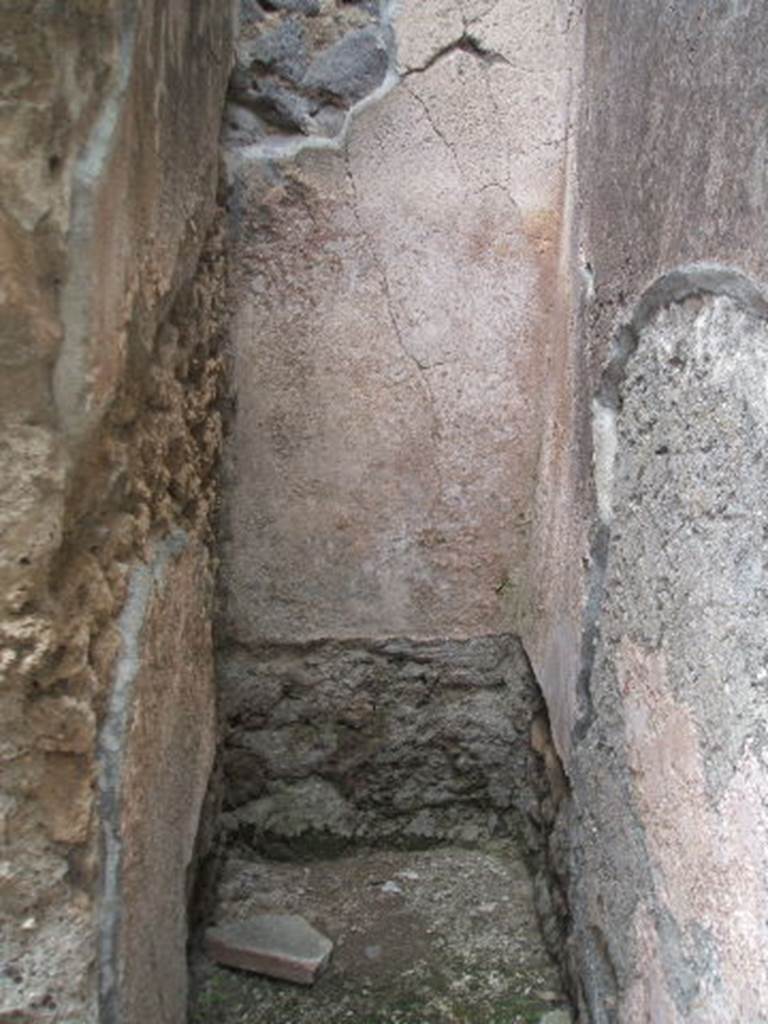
{"x": 279, "y": 945}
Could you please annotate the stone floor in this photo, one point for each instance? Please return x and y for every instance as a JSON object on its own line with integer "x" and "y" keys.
{"x": 445, "y": 936}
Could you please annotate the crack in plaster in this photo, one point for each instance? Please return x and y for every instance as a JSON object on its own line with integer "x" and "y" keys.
{"x": 466, "y": 21}
{"x": 287, "y": 148}
{"x": 440, "y": 135}
{"x": 466, "y": 43}
{"x": 112, "y": 740}
{"x": 421, "y": 368}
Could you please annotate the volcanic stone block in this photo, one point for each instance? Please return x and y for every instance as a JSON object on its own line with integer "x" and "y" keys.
{"x": 352, "y": 68}
{"x": 279, "y": 945}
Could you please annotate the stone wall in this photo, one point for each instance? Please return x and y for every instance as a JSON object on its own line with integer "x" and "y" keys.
{"x": 648, "y": 645}
{"x": 335, "y": 744}
{"x": 398, "y": 179}
{"x": 109, "y": 437}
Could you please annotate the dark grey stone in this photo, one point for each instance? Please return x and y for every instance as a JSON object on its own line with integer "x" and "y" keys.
{"x": 308, "y": 7}
{"x": 352, "y": 68}
{"x": 251, "y": 12}
{"x": 329, "y": 120}
{"x": 242, "y": 126}
{"x": 275, "y": 103}
{"x": 282, "y": 51}
{"x": 390, "y": 741}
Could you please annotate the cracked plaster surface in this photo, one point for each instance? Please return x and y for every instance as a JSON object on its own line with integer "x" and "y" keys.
{"x": 389, "y": 339}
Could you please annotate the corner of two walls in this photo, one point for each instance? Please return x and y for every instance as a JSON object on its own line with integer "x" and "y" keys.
{"x": 113, "y": 309}
{"x": 406, "y": 369}
{"x": 434, "y": 299}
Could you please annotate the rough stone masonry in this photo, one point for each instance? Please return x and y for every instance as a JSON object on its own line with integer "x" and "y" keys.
{"x": 498, "y": 279}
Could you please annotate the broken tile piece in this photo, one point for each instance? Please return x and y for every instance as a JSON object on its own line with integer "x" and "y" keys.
{"x": 279, "y": 945}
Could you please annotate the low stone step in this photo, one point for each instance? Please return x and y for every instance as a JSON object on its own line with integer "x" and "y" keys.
{"x": 278, "y": 945}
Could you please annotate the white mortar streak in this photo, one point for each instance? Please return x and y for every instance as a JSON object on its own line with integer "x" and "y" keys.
{"x": 70, "y": 378}
{"x": 604, "y": 447}
{"x": 112, "y": 740}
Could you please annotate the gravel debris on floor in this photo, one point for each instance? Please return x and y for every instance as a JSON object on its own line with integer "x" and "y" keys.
{"x": 442, "y": 936}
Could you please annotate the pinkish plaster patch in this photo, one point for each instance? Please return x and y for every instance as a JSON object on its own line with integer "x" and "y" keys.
{"x": 648, "y": 1001}
{"x": 699, "y": 849}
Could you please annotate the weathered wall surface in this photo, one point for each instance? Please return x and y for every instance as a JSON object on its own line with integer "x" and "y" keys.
{"x": 108, "y": 440}
{"x": 669, "y": 170}
{"x": 400, "y": 334}
{"x": 430, "y": 291}
{"x": 396, "y": 300}
{"x": 679, "y": 682}
{"x": 664, "y": 730}
{"x": 394, "y": 742}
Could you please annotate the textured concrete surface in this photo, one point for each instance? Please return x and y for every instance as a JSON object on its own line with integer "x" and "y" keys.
{"x": 392, "y": 335}
{"x": 108, "y": 170}
{"x": 283, "y": 946}
{"x": 446, "y": 936}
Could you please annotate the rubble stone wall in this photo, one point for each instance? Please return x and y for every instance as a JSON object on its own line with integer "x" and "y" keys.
{"x": 342, "y": 743}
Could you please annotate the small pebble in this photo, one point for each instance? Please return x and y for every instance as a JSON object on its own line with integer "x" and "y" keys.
{"x": 391, "y": 887}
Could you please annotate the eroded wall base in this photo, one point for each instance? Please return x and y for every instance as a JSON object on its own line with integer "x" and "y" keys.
{"x": 342, "y": 745}
{"x": 407, "y": 743}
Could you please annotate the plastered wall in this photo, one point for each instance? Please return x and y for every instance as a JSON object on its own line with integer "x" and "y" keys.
{"x": 108, "y": 385}
{"x": 397, "y": 297}
{"x": 498, "y": 345}
{"x": 657, "y": 701}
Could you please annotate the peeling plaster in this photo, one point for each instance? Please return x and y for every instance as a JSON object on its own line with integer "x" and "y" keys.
{"x": 287, "y": 148}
